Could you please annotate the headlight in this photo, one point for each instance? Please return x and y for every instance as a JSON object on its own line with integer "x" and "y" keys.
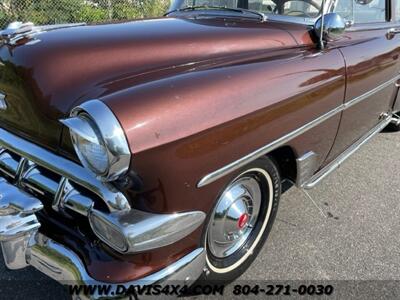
{"x": 88, "y": 144}
{"x": 103, "y": 149}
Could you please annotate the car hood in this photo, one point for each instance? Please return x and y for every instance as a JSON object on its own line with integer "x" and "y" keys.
{"x": 43, "y": 78}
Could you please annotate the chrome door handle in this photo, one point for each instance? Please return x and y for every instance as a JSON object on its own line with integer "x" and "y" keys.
{"x": 392, "y": 33}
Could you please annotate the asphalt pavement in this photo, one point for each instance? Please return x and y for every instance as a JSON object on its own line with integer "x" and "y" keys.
{"x": 347, "y": 228}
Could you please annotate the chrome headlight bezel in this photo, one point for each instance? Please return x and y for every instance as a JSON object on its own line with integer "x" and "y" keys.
{"x": 108, "y": 131}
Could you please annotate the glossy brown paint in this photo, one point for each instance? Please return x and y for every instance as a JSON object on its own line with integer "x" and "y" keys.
{"x": 25, "y": 115}
{"x": 301, "y": 33}
{"x": 193, "y": 96}
{"x": 191, "y": 99}
{"x": 191, "y": 130}
{"x": 69, "y": 66}
{"x": 238, "y": 117}
{"x": 372, "y": 60}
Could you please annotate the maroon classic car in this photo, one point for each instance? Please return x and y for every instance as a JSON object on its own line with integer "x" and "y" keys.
{"x": 155, "y": 150}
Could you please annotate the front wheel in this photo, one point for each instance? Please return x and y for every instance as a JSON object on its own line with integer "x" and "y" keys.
{"x": 241, "y": 221}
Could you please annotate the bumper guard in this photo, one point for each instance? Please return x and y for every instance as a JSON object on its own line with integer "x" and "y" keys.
{"x": 23, "y": 246}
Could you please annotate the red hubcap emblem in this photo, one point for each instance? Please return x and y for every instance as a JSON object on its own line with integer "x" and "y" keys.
{"x": 243, "y": 221}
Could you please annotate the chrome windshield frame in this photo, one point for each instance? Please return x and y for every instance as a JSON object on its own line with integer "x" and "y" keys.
{"x": 176, "y": 4}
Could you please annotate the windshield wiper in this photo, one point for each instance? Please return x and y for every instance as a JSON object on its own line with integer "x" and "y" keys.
{"x": 262, "y": 16}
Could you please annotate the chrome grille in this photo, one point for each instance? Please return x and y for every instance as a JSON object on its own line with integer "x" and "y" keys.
{"x": 8, "y": 164}
{"x": 39, "y": 181}
{"x": 55, "y": 191}
{"x": 62, "y": 184}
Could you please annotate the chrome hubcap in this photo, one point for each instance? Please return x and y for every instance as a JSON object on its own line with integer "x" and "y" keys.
{"x": 234, "y": 217}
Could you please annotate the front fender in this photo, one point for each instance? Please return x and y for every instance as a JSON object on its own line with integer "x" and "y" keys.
{"x": 184, "y": 127}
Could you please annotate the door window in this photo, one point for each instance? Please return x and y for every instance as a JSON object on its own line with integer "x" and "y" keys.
{"x": 362, "y": 11}
{"x": 397, "y": 11}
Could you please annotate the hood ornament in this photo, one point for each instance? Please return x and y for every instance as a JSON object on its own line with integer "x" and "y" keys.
{"x": 16, "y": 28}
{"x": 17, "y": 31}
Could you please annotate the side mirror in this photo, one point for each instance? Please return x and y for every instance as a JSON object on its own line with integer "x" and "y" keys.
{"x": 331, "y": 30}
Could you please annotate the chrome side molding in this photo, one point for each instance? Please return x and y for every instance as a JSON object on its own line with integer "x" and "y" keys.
{"x": 323, "y": 173}
{"x": 210, "y": 178}
{"x": 243, "y": 161}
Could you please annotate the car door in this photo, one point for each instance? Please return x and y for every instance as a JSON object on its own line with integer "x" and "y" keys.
{"x": 372, "y": 64}
{"x": 396, "y": 29}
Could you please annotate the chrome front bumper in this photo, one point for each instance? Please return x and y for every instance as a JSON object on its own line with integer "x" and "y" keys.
{"x": 22, "y": 245}
{"x": 64, "y": 266}
{"x": 71, "y": 190}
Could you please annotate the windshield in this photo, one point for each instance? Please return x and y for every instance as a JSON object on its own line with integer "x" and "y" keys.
{"x": 295, "y": 8}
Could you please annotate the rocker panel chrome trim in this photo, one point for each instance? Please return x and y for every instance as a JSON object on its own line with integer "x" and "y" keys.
{"x": 323, "y": 173}
{"x": 214, "y": 176}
